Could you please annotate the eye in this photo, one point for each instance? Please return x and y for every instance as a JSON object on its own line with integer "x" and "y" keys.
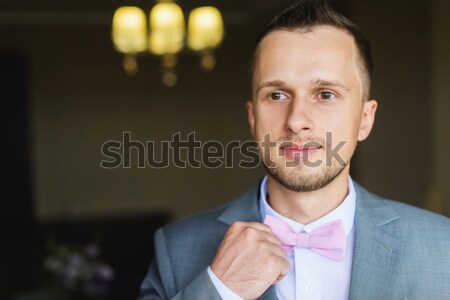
{"x": 326, "y": 96}
{"x": 277, "y": 96}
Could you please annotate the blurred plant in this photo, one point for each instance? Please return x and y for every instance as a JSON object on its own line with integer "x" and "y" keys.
{"x": 79, "y": 270}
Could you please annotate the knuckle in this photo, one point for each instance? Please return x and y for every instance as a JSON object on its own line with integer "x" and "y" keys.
{"x": 271, "y": 263}
{"x": 266, "y": 226}
{"x": 277, "y": 263}
{"x": 236, "y": 226}
{"x": 282, "y": 252}
{"x": 286, "y": 265}
{"x": 261, "y": 245}
{"x": 250, "y": 233}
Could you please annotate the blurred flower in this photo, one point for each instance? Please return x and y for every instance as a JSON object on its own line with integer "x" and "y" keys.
{"x": 92, "y": 250}
{"x": 79, "y": 269}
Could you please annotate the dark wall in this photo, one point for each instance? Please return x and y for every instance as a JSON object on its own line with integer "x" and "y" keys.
{"x": 396, "y": 160}
{"x": 17, "y": 223}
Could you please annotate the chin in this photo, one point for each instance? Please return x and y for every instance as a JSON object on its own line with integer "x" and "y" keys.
{"x": 303, "y": 178}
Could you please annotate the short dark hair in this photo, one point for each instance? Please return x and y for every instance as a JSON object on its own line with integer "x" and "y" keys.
{"x": 305, "y": 15}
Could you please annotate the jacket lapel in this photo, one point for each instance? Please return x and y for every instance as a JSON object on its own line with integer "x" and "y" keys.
{"x": 377, "y": 253}
{"x": 246, "y": 209}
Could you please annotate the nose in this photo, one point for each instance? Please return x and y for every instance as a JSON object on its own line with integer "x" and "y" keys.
{"x": 299, "y": 119}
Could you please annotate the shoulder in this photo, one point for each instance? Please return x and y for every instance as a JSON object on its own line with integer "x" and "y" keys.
{"x": 373, "y": 204}
{"x": 404, "y": 219}
{"x": 418, "y": 216}
{"x": 421, "y": 229}
{"x": 212, "y": 224}
{"x": 421, "y": 226}
{"x": 216, "y": 220}
{"x": 200, "y": 223}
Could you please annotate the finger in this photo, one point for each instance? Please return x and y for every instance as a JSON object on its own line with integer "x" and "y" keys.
{"x": 284, "y": 269}
{"x": 260, "y": 226}
{"x": 279, "y": 251}
{"x": 273, "y": 239}
{"x": 267, "y": 230}
{"x": 284, "y": 266}
{"x": 252, "y": 232}
{"x": 262, "y": 230}
{"x": 255, "y": 234}
{"x": 238, "y": 226}
{"x": 235, "y": 229}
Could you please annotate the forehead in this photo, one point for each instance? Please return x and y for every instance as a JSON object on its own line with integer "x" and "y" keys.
{"x": 324, "y": 49}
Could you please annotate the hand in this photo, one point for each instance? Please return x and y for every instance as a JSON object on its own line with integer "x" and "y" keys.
{"x": 250, "y": 259}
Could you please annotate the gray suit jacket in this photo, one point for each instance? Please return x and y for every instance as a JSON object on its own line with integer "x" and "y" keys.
{"x": 400, "y": 252}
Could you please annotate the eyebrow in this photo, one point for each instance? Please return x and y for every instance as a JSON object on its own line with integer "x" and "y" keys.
{"x": 274, "y": 83}
{"x": 320, "y": 82}
{"x": 314, "y": 82}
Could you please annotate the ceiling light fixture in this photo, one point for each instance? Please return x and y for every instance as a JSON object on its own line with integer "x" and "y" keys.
{"x": 165, "y": 36}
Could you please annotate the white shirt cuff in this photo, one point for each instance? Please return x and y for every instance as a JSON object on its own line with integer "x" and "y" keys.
{"x": 221, "y": 288}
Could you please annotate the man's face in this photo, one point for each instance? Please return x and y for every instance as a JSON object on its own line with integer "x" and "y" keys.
{"x": 306, "y": 85}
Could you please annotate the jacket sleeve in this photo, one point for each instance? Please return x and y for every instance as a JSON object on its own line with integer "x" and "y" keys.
{"x": 159, "y": 283}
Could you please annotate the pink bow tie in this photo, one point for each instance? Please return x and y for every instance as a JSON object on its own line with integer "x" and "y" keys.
{"x": 328, "y": 240}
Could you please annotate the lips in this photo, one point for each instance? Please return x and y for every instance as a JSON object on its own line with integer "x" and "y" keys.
{"x": 294, "y": 150}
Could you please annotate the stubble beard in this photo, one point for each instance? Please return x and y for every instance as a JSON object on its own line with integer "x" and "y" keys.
{"x": 298, "y": 178}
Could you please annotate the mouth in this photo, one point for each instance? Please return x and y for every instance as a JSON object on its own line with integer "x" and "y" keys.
{"x": 298, "y": 151}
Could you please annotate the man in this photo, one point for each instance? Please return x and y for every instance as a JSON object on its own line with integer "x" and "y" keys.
{"x": 307, "y": 231}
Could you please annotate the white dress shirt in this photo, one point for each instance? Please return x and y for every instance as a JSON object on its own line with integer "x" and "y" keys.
{"x": 311, "y": 275}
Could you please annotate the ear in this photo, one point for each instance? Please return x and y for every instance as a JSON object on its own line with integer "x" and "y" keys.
{"x": 251, "y": 116}
{"x": 367, "y": 119}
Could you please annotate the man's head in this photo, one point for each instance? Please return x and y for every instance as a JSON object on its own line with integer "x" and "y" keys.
{"x": 311, "y": 77}
{"x": 306, "y": 15}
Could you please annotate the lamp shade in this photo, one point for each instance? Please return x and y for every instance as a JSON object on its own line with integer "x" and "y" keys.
{"x": 129, "y": 30}
{"x": 167, "y": 29}
{"x": 205, "y": 28}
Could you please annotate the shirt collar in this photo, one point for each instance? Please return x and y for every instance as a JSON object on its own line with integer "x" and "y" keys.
{"x": 345, "y": 211}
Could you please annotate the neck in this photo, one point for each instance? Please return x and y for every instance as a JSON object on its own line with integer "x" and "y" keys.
{"x": 307, "y": 207}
